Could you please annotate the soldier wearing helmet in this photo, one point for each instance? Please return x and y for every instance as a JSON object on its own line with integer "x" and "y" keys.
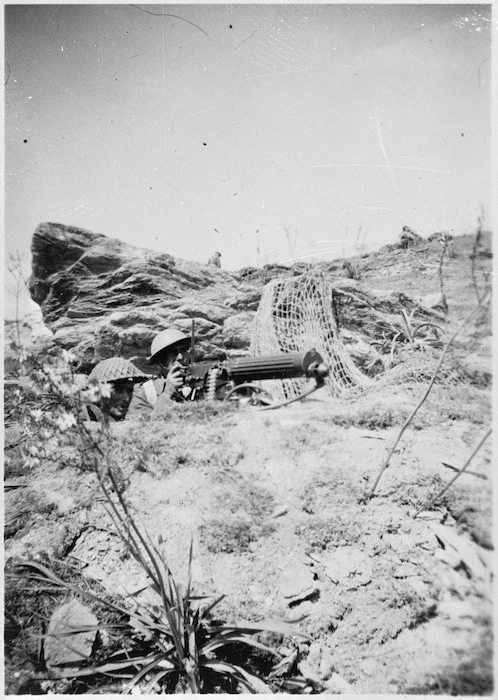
{"x": 120, "y": 376}
{"x": 169, "y": 352}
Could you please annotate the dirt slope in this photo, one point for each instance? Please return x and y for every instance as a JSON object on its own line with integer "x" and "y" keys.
{"x": 273, "y": 500}
{"x": 279, "y": 528}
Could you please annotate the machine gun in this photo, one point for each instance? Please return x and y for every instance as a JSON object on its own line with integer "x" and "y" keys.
{"x": 226, "y": 379}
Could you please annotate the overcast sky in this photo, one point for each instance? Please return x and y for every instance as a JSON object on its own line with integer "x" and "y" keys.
{"x": 268, "y": 133}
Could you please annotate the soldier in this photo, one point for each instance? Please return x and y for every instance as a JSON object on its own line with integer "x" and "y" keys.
{"x": 121, "y": 375}
{"x": 408, "y": 237}
{"x": 169, "y": 354}
{"x": 215, "y": 259}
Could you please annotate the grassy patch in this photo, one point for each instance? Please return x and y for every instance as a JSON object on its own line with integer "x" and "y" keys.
{"x": 460, "y": 402}
{"x": 245, "y": 507}
{"x": 374, "y": 413}
{"x": 181, "y": 435}
{"x": 319, "y": 533}
{"x": 339, "y": 487}
{"x": 228, "y": 534}
{"x": 414, "y": 494}
{"x": 22, "y": 507}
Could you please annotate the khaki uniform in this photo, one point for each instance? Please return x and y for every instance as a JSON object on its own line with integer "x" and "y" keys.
{"x": 155, "y": 393}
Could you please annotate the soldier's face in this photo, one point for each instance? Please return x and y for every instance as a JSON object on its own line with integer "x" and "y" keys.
{"x": 119, "y": 401}
{"x": 168, "y": 358}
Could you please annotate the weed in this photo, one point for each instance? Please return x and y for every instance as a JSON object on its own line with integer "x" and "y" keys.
{"x": 319, "y": 533}
{"x": 245, "y": 506}
{"x": 228, "y": 534}
{"x": 176, "y": 643}
{"x": 21, "y": 504}
{"x": 352, "y": 269}
{"x": 248, "y": 497}
{"x": 419, "y": 333}
{"x": 379, "y": 417}
{"x": 338, "y": 487}
{"x": 374, "y": 415}
{"x": 407, "y": 493}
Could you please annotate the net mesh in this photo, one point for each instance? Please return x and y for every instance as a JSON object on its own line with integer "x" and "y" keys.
{"x": 296, "y": 314}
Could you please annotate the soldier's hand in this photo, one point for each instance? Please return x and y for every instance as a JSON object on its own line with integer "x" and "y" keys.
{"x": 176, "y": 375}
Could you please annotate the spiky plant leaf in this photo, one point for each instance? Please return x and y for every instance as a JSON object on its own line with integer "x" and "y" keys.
{"x": 276, "y": 626}
{"x": 252, "y": 683}
{"x": 236, "y": 639}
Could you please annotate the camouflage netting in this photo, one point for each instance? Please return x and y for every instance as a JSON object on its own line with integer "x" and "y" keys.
{"x": 297, "y": 314}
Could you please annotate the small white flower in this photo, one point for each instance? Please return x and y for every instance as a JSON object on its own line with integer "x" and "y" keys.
{"x": 67, "y": 420}
{"x": 91, "y": 393}
{"x": 105, "y": 390}
{"x": 22, "y": 354}
{"x": 37, "y": 414}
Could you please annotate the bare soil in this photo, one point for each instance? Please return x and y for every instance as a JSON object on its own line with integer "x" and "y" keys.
{"x": 273, "y": 500}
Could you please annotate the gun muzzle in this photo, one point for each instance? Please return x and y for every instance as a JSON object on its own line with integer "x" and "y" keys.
{"x": 284, "y": 366}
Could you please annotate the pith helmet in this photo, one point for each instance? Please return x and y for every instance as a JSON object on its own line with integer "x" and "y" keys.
{"x": 167, "y": 339}
{"x": 117, "y": 368}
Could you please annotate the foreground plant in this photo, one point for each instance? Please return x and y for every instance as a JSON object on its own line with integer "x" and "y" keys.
{"x": 177, "y": 645}
{"x": 174, "y": 644}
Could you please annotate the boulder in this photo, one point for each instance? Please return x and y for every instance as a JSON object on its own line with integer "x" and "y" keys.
{"x": 237, "y": 330}
{"x": 62, "y": 647}
{"x": 102, "y": 297}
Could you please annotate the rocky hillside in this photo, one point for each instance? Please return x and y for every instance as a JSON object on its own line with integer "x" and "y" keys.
{"x": 101, "y": 297}
{"x": 393, "y": 593}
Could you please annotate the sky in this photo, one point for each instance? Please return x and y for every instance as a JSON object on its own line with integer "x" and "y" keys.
{"x": 269, "y": 133}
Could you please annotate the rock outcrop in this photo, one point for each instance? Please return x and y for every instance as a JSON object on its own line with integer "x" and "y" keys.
{"x": 101, "y": 297}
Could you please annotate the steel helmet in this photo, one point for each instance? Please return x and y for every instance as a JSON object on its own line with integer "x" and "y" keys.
{"x": 117, "y": 368}
{"x": 167, "y": 339}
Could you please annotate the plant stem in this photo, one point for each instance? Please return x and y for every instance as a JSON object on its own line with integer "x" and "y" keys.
{"x": 432, "y": 500}
{"x": 426, "y": 394}
{"x": 475, "y": 250}
{"x": 441, "y": 277}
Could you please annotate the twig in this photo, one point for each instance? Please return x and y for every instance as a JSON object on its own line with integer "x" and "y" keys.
{"x": 432, "y": 500}
{"x": 22, "y": 439}
{"x": 475, "y": 249}
{"x": 431, "y": 384}
{"x": 440, "y": 275}
{"x": 455, "y": 469}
